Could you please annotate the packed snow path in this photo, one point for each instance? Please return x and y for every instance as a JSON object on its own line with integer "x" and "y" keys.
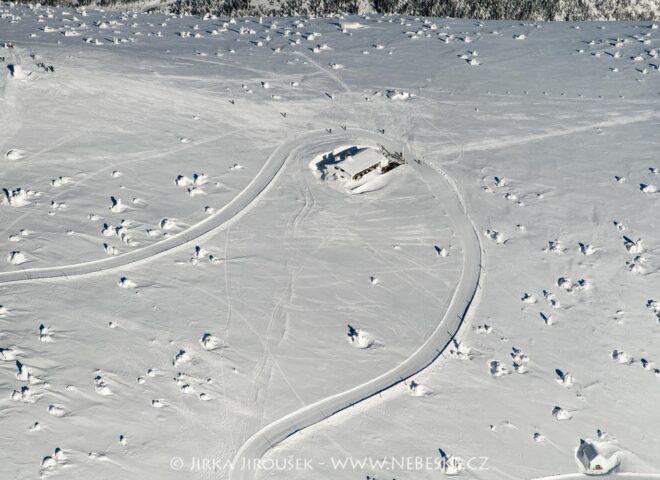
{"x": 232, "y": 210}
{"x": 255, "y": 447}
{"x": 301, "y": 150}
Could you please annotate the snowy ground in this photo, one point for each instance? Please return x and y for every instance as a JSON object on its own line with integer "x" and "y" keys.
{"x": 550, "y": 138}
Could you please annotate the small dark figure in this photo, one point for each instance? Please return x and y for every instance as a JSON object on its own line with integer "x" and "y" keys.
{"x": 352, "y": 332}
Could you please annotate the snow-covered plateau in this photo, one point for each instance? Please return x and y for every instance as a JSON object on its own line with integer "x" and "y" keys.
{"x": 359, "y": 247}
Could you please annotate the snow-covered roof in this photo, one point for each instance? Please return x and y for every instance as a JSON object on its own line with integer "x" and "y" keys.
{"x": 361, "y": 161}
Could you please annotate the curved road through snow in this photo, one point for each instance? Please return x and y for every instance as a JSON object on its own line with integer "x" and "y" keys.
{"x": 255, "y": 447}
{"x": 301, "y": 150}
{"x": 236, "y": 207}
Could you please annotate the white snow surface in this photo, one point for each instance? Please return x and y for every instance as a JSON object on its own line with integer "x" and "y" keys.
{"x": 176, "y": 283}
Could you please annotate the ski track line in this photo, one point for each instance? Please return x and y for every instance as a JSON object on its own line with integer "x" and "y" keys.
{"x": 326, "y": 72}
{"x": 513, "y": 141}
{"x": 274, "y": 433}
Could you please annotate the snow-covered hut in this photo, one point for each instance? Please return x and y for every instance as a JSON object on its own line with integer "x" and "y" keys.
{"x": 355, "y": 166}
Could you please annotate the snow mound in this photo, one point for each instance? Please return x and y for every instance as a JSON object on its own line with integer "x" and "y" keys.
{"x": 398, "y": 95}
{"x": 352, "y": 26}
{"x": 209, "y": 342}
{"x": 360, "y": 338}
{"x": 126, "y": 283}
{"x": 17, "y": 197}
{"x": 17, "y": 72}
{"x": 16, "y": 258}
{"x": 418, "y": 390}
{"x": 15, "y": 154}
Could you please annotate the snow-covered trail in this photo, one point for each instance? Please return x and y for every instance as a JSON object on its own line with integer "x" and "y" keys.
{"x": 261, "y": 441}
{"x": 300, "y": 150}
{"x": 237, "y": 206}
